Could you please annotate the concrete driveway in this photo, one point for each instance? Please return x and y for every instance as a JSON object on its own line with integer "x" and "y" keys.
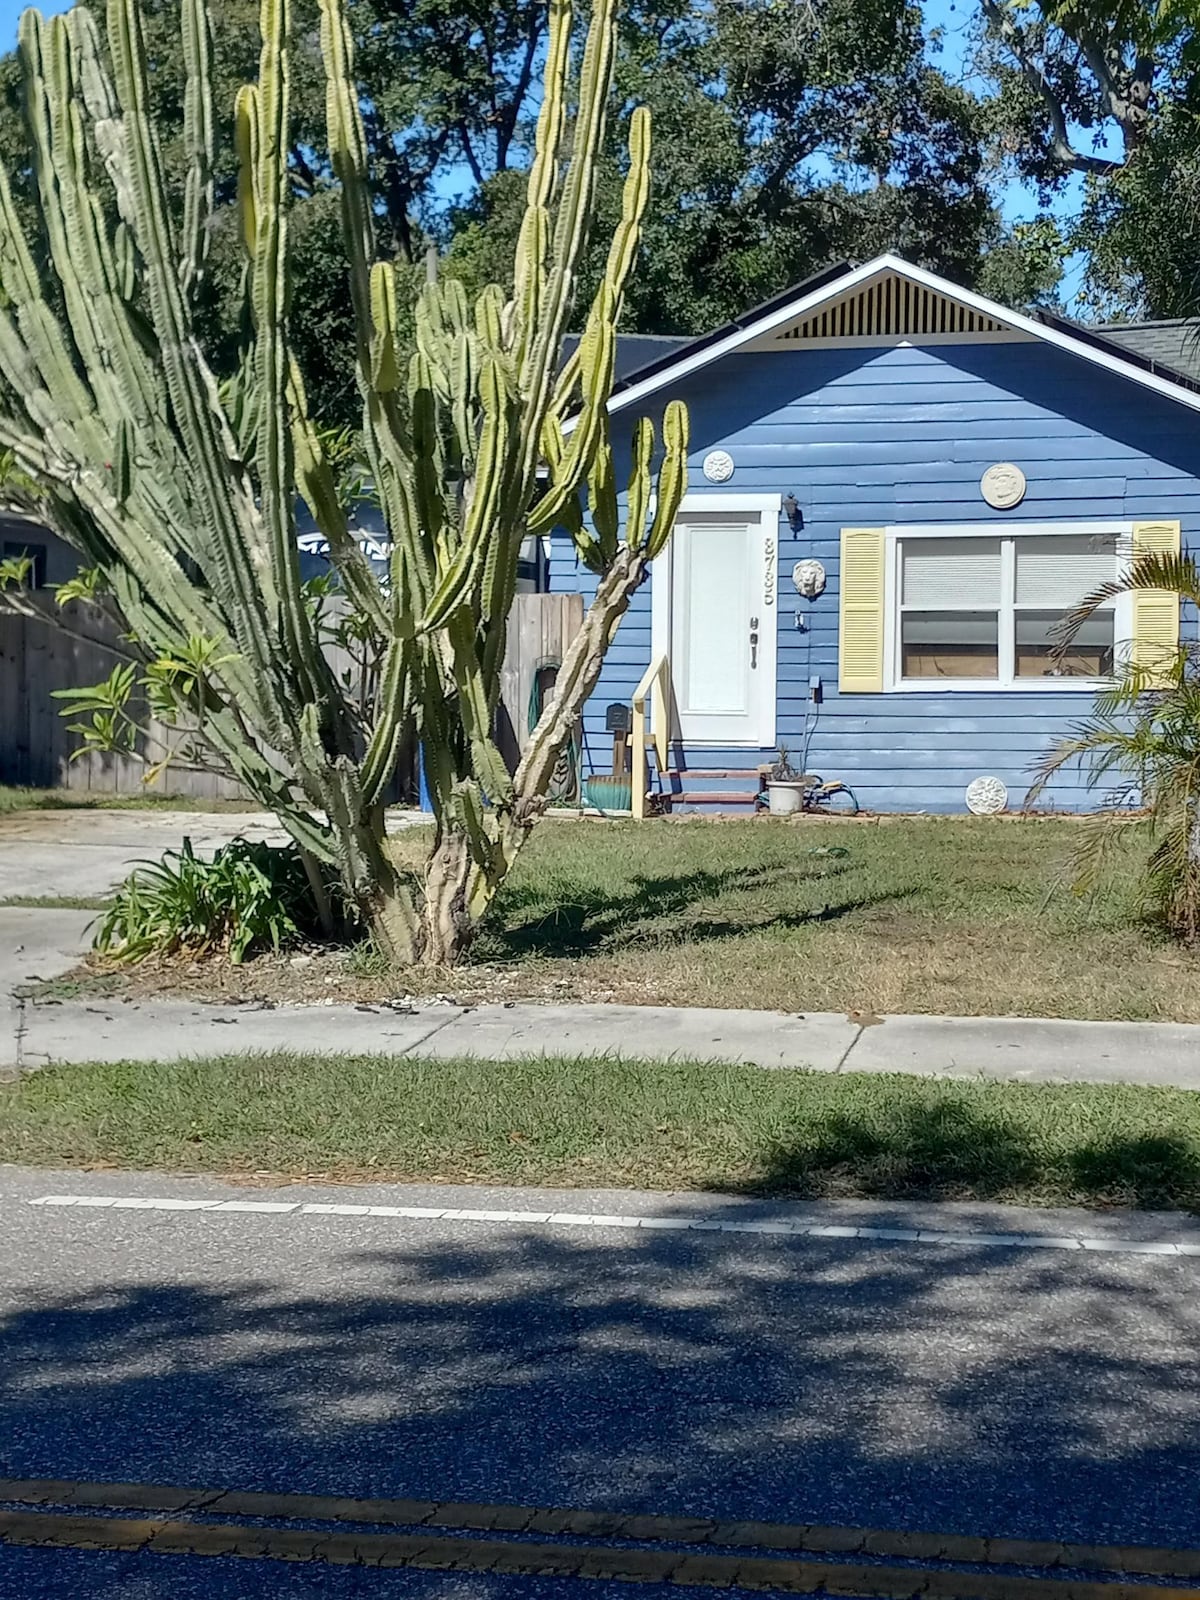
{"x": 57, "y": 854}
{"x": 50, "y": 855}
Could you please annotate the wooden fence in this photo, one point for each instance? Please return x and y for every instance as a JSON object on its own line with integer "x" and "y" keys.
{"x": 540, "y": 627}
{"x": 38, "y": 657}
{"x": 35, "y": 747}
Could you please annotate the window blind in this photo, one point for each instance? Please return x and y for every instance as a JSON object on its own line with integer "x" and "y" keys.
{"x": 1060, "y": 571}
{"x": 962, "y": 573}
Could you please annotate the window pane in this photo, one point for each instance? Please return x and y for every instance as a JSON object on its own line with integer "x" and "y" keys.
{"x": 949, "y": 644}
{"x": 1059, "y": 572}
{"x": 950, "y": 572}
{"x": 1090, "y": 654}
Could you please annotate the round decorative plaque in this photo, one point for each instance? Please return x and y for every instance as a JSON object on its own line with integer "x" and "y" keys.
{"x": 1003, "y": 486}
{"x": 718, "y": 466}
{"x": 986, "y": 797}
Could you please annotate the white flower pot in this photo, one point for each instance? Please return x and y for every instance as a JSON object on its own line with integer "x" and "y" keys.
{"x": 785, "y": 798}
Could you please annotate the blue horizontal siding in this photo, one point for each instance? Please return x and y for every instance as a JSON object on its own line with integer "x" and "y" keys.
{"x": 869, "y": 437}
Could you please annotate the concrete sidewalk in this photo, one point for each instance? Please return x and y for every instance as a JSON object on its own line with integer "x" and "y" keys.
{"x": 45, "y": 943}
{"x": 39, "y": 1034}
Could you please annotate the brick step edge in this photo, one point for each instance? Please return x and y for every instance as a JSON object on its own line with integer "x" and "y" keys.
{"x": 699, "y": 797}
{"x": 708, "y": 772}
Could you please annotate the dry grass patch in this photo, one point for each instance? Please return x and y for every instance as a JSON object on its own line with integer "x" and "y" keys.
{"x": 951, "y": 916}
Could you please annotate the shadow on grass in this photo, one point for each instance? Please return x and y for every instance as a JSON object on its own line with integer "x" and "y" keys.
{"x": 662, "y": 908}
{"x": 952, "y": 1151}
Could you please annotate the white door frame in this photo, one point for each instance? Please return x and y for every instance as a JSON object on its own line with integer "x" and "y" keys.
{"x": 760, "y": 509}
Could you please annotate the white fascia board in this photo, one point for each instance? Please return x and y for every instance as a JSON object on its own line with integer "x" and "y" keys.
{"x": 1053, "y": 336}
{"x": 731, "y": 499}
{"x": 797, "y": 309}
{"x": 741, "y": 336}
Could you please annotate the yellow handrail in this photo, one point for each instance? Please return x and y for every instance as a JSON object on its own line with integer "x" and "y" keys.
{"x": 655, "y": 682}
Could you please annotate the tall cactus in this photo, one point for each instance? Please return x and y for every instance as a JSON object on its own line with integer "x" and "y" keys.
{"x": 181, "y": 495}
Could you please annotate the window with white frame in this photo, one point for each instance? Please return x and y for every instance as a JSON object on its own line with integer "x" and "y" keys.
{"x": 984, "y": 609}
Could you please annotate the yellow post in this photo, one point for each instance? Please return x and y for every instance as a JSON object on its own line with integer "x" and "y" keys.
{"x": 654, "y": 683}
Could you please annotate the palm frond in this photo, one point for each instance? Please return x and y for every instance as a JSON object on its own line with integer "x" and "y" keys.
{"x": 1100, "y": 838}
{"x": 1178, "y": 574}
{"x": 1151, "y": 734}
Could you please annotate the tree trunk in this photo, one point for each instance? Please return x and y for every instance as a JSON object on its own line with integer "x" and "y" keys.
{"x": 1185, "y": 914}
{"x": 385, "y": 900}
{"x": 459, "y": 884}
{"x": 458, "y": 887}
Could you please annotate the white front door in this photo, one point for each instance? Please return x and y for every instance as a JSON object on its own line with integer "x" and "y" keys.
{"x": 721, "y": 575}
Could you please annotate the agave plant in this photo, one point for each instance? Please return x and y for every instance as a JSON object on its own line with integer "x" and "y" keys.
{"x": 1145, "y": 728}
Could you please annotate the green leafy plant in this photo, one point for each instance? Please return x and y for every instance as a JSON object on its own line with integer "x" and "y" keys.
{"x": 249, "y": 898}
{"x": 1146, "y": 730}
{"x": 15, "y": 571}
{"x": 782, "y": 770}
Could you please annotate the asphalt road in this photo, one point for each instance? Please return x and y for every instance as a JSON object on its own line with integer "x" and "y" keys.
{"x": 974, "y": 1388}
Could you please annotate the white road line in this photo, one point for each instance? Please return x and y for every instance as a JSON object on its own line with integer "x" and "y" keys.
{"x": 773, "y": 1226}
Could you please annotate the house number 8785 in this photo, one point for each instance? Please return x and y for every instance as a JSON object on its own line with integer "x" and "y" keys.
{"x": 769, "y": 573}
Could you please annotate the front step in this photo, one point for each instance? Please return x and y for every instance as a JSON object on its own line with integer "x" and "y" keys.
{"x": 700, "y": 797}
{"x": 705, "y": 772}
{"x": 716, "y": 797}
{"x": 676, "y": 793}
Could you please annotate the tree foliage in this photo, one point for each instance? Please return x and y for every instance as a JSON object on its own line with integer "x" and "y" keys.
{"x": 1107, "y": 92}
{"x": 790, "y": 136}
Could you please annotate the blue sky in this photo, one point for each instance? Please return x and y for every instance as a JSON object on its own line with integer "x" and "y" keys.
{"x": 10, "y": 10}
{"x": 953, "y": 17}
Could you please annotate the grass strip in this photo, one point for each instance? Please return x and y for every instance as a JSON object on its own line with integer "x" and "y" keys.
{"x": 951, "y": 917}
{"x": 16, "y": 798}
{"x": 603, "y": 1122}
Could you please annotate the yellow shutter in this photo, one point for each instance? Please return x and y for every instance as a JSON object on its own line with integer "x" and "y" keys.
{"x": 861, "y": 638}
{"x": 1155, "y": 611}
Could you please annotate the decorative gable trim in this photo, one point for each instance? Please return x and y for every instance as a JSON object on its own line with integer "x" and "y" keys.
{"x": 759, "y": 332}
{"x": 888, "y": 309}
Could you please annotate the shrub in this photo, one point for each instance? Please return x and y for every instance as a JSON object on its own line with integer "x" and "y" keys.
{"x": 249, "y": 898}
{"x": 1146, "y": 728}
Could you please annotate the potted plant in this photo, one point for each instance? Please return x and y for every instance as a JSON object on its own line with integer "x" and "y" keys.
{"x": 785, "y": 787}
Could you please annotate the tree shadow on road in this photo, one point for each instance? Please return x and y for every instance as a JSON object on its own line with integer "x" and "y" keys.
{"x": 968, "y": 1389}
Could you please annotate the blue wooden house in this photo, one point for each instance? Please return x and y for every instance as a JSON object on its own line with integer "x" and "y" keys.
{"x": 896, "y": 490}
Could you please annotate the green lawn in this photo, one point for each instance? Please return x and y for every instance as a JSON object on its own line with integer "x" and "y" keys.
{"x": 55, "y": 902}
{"x": 950, "y": 916}
{"x": 608, "y": 1123}
{"x": 23, "y": 799}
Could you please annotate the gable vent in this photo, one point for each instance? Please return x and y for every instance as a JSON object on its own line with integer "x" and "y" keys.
{"x": 892, "y": 308}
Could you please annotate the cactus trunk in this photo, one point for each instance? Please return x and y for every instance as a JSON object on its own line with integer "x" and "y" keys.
{"x": 180, "y": 492}
{"x": 448, "y": 924}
